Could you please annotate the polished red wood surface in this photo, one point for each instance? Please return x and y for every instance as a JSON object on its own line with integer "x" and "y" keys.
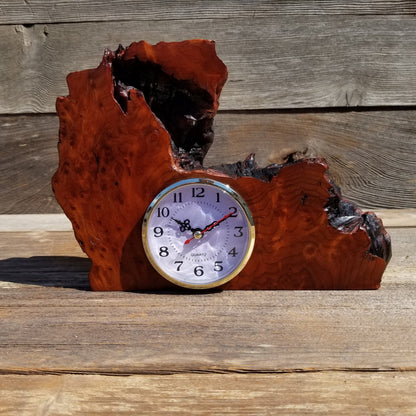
{"x": 114, "y": 160}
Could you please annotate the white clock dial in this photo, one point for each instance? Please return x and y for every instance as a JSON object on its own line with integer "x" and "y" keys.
{"x": 198, "y": 233}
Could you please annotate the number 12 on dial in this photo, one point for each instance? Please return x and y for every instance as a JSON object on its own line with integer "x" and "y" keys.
{"x": 198, "y": 233}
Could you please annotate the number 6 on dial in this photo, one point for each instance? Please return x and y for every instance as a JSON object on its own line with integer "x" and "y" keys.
{"x": 198, "y": 233}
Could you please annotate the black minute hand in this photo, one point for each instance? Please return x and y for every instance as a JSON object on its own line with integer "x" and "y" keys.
{"x": 215, "y": 223}
{"x": 210, "y": 226}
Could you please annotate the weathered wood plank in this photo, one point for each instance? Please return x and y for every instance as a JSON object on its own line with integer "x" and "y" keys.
{"x": 62, "y": 330}
{"x": 40, "y": 11}
{"x": 370, "y": 154}
{"x": 28, "y": 159}
{"x": 335, "y": 393}
{"x": 281, "y": 61}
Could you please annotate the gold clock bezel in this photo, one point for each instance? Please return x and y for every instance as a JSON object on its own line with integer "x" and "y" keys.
{"x": 244, "y": 209}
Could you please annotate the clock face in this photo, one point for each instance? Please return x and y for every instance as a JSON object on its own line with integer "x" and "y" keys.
{"x": 198, "y": 233}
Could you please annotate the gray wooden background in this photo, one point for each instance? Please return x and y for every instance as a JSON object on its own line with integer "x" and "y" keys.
{"x": 335, "y": 79}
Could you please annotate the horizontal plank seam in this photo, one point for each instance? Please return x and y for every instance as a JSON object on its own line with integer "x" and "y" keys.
{"x": 301, "y": 110}
{"x": 30, "y": 23}
{"x": 203, "y": 371}
{"x": 182, "y": 19}
{"x": 284, "y": 110}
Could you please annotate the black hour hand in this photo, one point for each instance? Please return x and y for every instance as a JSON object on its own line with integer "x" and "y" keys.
{"x": 184, "y": 225}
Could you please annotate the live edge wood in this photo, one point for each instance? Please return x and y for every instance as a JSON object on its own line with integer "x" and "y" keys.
{"x": 115, "y": 155}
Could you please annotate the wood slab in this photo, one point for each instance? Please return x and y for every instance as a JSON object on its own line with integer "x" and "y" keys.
{"x": 121, "y": 144}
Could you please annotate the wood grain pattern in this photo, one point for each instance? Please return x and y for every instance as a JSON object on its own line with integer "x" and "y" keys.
{"x": 87, "y": 10}
{"x": 308, "y": 61}
{"x": 368, "y": 153}
{"x": 337, "y": 393}
{"x": 29, "y": 157}
{"x": 60, "y": 330}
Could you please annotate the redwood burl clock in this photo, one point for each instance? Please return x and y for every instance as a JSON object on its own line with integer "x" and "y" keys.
{"x": 132, "y": 140}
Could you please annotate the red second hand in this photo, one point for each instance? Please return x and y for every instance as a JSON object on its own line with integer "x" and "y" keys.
{"x": 211, "y": 226}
